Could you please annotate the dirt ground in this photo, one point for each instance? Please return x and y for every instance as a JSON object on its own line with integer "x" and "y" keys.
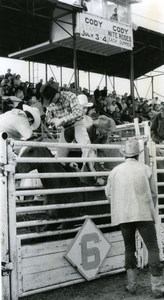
{"x": 108, "y": 288}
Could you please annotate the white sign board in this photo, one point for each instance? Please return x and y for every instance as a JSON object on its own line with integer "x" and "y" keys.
{"x": 105, "y": 31}
{"x": 88, "y": 250}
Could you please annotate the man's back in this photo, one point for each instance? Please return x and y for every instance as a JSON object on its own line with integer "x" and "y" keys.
{"x": 130, "y": 192}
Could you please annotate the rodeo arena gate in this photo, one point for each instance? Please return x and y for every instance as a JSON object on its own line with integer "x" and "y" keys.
{"x": 35, "y": 259}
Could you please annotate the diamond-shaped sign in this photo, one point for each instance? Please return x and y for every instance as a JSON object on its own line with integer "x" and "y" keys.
{"x": 88, "y": 250}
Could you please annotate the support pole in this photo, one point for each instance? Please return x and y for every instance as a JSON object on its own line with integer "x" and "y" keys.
{"x": 114, "y": 86}
{"x": 33, "y": 66}
{"x": 61, "y": 76}
{"x": 46, "y": 72}
{"x": 75, "y": 53}
{"x": 152, "y": 84}
{"x": 29, "y": 71}
{"x": 132, "y": 80}
{"x": 106, "y": 83}
{"x": 89, "y": 83}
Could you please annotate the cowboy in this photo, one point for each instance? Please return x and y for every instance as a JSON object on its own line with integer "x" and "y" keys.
{"x": 157, "y": 126}
{"x": 19, "y": 123}
{"x": 66, "y": 112}
{"x": 105, "y": 127}
{"x": 131, "y": 192}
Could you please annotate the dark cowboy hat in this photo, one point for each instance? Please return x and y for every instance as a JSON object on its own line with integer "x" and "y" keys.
{"x": 48, "y": 90}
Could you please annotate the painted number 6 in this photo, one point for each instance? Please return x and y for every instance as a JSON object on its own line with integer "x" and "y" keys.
{"x": 90, "y": 255}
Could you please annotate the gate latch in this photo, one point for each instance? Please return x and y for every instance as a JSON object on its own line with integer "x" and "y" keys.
{"x": 6, "y": 268}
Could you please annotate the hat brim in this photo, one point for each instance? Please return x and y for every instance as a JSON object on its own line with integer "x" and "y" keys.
{"x": 123, "y": 152}
{"x": 36, "y": 115}
{"x": 89, "y": 104}
{"x": 111, "y": 127}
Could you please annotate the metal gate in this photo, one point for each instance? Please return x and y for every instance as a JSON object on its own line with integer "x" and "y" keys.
{"x": 157, "y": 163}
{"x": 34, "y": 260}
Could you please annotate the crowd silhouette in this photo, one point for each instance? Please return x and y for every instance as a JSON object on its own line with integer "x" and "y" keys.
{"x": 122, "y": 109}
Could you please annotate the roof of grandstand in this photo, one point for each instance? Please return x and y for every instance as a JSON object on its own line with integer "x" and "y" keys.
{"x": 24, "y": 24}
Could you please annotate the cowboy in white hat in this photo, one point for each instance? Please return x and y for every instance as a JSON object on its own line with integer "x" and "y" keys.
{"x": 83, "y": 101}
{"x": 131, "y": 148}
{"x": 132, "y": 194}
{"x": 19, "y": 123}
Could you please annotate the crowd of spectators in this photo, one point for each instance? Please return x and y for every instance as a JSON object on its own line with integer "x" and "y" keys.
{"x": 120, "y": 108}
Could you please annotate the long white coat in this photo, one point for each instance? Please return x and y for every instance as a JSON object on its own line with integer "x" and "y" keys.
{"x": 132, "y": 193}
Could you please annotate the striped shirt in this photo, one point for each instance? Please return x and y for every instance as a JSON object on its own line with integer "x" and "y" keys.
{"x": 67, "y": 107}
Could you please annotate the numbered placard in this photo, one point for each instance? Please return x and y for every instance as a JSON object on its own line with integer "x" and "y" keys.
{"x": 88, "y": 250}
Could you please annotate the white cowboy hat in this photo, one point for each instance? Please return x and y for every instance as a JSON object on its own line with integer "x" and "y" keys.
{"x": 35, "y": 113}
{"x": 131, "y": 148}
{"x": 83, "y": 101}
{"x": 105, "y": 123}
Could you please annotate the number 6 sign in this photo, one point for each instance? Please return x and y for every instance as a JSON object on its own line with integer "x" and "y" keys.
{"x": 88, "y": 250}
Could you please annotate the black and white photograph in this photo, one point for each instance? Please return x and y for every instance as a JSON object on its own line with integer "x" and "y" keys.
{"x": 82, "y": 149}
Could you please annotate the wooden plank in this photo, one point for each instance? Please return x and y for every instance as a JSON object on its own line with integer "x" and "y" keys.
{"x": 56, "y": 260}
{"x": 58, "y": 276}
{"x": 60, "y": 246}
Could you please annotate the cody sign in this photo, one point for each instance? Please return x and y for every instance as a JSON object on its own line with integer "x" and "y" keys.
{"x": 88, "y": 250}
{"x": 105, "y": 31}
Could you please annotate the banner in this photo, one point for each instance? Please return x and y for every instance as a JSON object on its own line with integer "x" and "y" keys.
{"x": 105, "y": 31}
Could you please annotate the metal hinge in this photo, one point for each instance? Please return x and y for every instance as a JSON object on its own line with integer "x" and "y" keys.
{"x": 9, "y": 168}
{"x": 4, "y": 169}
{"x": 6, "y": 268}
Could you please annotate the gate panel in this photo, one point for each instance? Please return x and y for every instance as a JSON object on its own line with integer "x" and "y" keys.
{"x": 40, "y": 265}
{"x": 4, "y": 247}
{"x": 43, "y": 266}
{"x": 157, "y": 155}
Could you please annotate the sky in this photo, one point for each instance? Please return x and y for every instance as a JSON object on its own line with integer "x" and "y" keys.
{"x": 148, "y": 14}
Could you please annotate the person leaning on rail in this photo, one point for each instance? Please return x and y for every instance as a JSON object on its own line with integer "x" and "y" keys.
{"x": 65, "y": 111}
{"x": 157, "y": 126}
{"x": 131, "y": 192}
{"x": 20, "y": 124}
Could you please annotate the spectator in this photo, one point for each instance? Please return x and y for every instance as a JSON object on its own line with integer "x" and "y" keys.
{"x": 116, "y": 115}
{"x": 114, "y": 94}
{"x": 30, "y": 88}
{"x": 157, "y": 126}
{"x": 8, "y": 74}
{"x": 19, "y": 92}
{"x": 17, "y": 80}
{"x": 97, "y": 93}
{"x": 38, "y": 87}
{"x": 34, "y": 102}
{"x": 51, "y": 80}
{"x": 132, "y": 194}
{"x": 83, "y": 4}
{"x": 123, "y": 104}
{"x": 114, "y": 17}
{"x": 104, "y": 92}
{"x": 118, "y": 102}
{"x": 112, "y": 107}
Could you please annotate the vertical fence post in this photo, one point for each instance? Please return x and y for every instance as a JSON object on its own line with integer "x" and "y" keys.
{"x": 158, "y": 219}
{"x": 142, "y": 254}
{"x": 5, "y": 279}
{"x": 12, "y": 223}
